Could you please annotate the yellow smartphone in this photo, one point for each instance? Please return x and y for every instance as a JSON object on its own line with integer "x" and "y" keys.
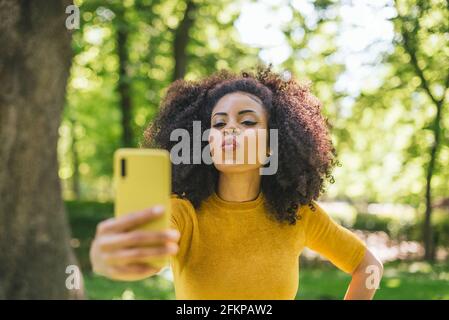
{"x": 142, "y": 179}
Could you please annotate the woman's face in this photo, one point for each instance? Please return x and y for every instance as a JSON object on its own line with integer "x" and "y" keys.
{"x": 239, "y": 135}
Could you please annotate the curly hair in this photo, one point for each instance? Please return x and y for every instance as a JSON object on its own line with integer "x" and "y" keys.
{"x": 306, "y": 155}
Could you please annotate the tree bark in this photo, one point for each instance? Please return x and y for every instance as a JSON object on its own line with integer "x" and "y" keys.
{"x": 124, "y": 83}
{"x": 76, "y": 188}
{"x": 181, "y": 40}
{"x": 429, "y": 242}
{"x": 35, "y": 58}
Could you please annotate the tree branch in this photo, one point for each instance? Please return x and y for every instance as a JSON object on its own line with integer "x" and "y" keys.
{"x": 414, "y": 59}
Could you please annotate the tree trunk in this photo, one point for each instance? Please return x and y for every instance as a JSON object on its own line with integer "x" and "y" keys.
{"x": 75, "y": 161}
{"x": 429, "y": 243}
{"x": 124, "y": 82}
{"x": 35, "y": 59}
{"x": 181, "y": 41}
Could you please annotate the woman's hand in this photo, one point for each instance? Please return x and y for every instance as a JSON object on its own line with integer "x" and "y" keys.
{"x": 121, "y": 252}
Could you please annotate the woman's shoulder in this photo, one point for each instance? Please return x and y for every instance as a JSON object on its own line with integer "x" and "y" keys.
{"x": 177, "y": 198}
{"x": 181, "y": 204}
{"x": 311, "y": 210}
{"x": 182, "y": 212}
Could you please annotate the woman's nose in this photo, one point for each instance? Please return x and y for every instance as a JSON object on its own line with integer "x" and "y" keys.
{"x": 232, "y": 130}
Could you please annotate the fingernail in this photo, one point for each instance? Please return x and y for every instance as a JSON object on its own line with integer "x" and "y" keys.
{"x": 158, "y": 210}
{"x": 173, "y": 233}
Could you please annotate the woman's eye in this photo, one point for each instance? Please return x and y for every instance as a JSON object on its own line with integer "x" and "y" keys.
{"x": 219, "y": 125}
{"x": 249, "y": 123}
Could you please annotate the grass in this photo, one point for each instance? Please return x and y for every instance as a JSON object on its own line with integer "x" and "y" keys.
{"x": 402, "y": 280}
{"x": 321, "y": 283}
{"x": 156, "y": 287}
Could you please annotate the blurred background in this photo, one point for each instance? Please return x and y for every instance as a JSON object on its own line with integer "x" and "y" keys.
{"x": 73, "y": 93}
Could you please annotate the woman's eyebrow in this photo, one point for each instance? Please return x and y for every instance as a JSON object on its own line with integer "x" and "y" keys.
{"x": 219, "y": 114}
{"x": 246, "y": 111}
{"x": 240, "y": 112}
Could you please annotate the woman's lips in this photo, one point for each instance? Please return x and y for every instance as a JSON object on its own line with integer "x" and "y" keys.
{"x": 229, "y": 144}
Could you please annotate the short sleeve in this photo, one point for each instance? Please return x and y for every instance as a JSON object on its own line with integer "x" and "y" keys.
{"x": 336, "y": 243}
{"x": 177, "y": 218}
{"x": 182, "y": 213}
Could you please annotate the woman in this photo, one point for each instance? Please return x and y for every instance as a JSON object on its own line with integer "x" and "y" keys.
{"x": 236, "y": 233}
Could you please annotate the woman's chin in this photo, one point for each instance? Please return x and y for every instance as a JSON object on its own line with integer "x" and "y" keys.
{"x": 233, "y": 167}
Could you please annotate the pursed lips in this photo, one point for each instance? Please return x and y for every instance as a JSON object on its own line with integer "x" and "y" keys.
{"x": 229, "y": 143}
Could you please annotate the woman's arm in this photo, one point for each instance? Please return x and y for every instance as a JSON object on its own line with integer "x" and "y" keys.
{"x": 365, "y": 278}
{"x": 345, "y": 250}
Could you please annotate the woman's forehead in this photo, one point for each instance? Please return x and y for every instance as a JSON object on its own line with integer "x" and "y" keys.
{"x": 238, "y": 99}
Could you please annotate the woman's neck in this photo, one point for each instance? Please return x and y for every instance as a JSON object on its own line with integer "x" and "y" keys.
{"x": 239, "y": 186}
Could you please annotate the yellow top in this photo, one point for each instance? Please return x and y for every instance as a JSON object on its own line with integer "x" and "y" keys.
{"x": 234, "y": 250}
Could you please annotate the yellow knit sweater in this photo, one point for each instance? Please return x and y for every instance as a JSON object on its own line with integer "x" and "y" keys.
{"x": 234, "y": 250}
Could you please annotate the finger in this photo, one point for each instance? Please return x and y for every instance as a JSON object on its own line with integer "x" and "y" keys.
{"x": 137, "y": 238}
{"x": 136, "y": 255}
{"x": 131, "y": 272}
{"x": 129, "y": 221}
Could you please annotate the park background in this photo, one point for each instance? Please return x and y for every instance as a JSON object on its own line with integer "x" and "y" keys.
{"x": 71, "y": 94}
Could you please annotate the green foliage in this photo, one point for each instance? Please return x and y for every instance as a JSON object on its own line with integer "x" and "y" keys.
{"x": 371, "y": 222}
{"x": 383, "y": 133}
{"x": 84, "y": 217}
{"x": 440, "y": 225}
{"x": 92, "y": 116}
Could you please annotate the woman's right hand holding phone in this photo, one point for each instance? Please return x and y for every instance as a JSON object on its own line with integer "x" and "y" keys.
{"x": 121, "y": 252}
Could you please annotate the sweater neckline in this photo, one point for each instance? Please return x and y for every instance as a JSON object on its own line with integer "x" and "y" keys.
{"x": 236, "y": 205}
